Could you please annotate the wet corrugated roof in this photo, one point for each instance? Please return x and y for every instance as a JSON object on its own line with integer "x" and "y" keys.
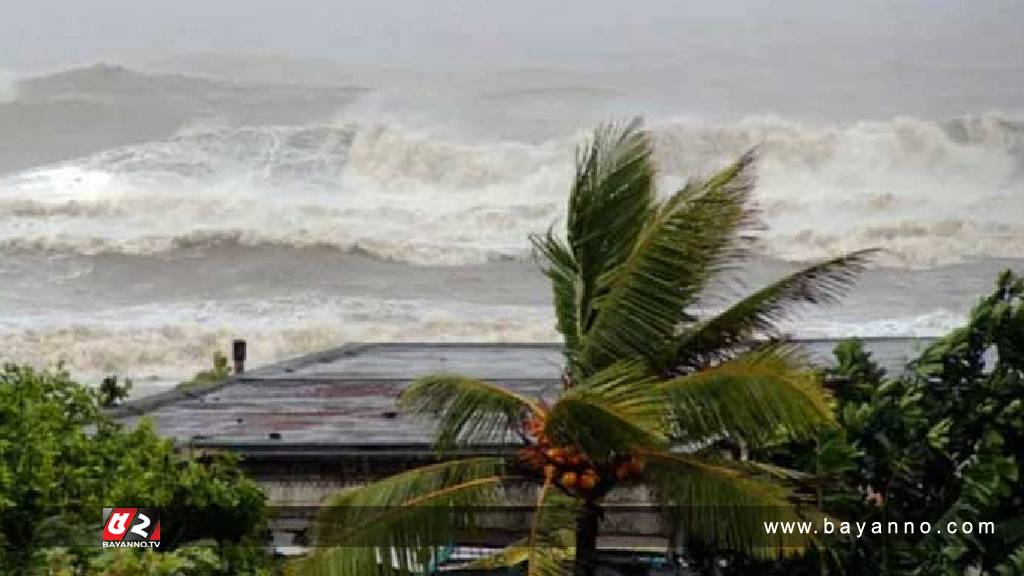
{"x": 343, "y": 400}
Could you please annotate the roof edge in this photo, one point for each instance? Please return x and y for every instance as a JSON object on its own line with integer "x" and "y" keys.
{"x": 141, "y": 406}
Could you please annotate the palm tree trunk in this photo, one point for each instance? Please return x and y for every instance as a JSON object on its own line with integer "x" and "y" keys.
{"x": 586, "y": 540}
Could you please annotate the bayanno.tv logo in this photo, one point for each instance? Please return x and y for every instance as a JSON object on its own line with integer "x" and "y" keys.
{"x": 131, "y": 528}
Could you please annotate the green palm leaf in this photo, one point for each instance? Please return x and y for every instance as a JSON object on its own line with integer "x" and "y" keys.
{"x": 559, "y": 265}
{"x": 467, "y": 409}
{"x": 545, "y": 558}
{"x": 752, "y": 396}
{"x": 548, "y": 549}
{"x": 512, "y": 555}
{"x": 612, "y": 412}
{"x": 610, "y": 199}
{"x": 551, "y": 534}
{"x": 724, "y": 504}
{"x": 685, "y": 241}
{"x": 757, "y": 314}
{"x": 396, "y": 525}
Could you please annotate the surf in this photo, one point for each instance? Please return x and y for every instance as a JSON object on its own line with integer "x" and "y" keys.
{"x": 932, "y": 192}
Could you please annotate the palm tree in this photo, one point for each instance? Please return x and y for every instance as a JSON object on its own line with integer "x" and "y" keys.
{"x": 648, "y": 386}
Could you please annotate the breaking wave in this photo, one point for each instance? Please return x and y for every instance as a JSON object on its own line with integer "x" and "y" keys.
{"x": 930, "y": 192}
{"x": 170, "y": 341}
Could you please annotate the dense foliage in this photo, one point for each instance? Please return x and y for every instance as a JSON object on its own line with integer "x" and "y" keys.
{"x": 942, "y": 442}
{"x": 62, "y": 461}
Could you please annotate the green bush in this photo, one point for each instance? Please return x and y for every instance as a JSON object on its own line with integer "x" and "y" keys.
{"x": 942, "y": 442}
{"x": 62, "y": 461}
{"x": 220, "y": 370}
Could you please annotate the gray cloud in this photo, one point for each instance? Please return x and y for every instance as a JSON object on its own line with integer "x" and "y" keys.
{"x": 45, "y": 33}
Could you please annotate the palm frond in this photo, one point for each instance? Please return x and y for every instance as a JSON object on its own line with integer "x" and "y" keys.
{"x": 611, "y": 196}
{"x": 548, "y": 559}
{"x": 685, "y": 242}
{"x": 548, "y": 550}
{"x": 611, "y": 412}
{"x": 723, "y": 504}
{"x": 551, "y": 534}
{"x": 567, "y": 288}
{"x": 467, "y": 409}
{"x": 753, "y": 396}
{"x": 757, "y": 314}
{"x": 396, "y": 525}
{"x": 514, "y": 554}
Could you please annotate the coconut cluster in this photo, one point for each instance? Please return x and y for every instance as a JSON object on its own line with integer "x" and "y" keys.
{"x": 571, "y": 469}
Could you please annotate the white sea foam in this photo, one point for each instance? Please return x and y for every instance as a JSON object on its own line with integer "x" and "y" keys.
{"x": 172, "y": 341}
{"x": 929, "y": 192}
{"x": 928, "y": 325}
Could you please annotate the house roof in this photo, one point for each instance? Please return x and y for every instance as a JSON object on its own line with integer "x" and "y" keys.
{"x": 337, "y": 401}
{"x": 342, "y": 401}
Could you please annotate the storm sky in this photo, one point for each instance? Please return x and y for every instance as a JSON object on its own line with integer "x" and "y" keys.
{"x": 47, "y": 33}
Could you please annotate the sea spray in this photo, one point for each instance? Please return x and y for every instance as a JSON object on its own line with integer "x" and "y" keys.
{"x": 144, "y": 258}
{"x": 930, "y": 192}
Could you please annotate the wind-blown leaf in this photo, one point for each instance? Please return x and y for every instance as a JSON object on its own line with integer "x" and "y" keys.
{"x": 757, "y": 314}
{"x": 567, "y": 290}
{"x": 396, "y": 525}
{"x": 685, "y": 241}
{"x": 611, "y": 196}
{"x": 467, "y": 409}
{"x": 612, "y": 412}
{"x": 548, "y": 548}
{"x": 551, "y": 534}
{"x": 721, "y": 503}
{"x": 752, "y": 396}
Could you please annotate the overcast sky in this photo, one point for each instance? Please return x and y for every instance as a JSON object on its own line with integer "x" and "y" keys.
{"x": 47, "y": 33}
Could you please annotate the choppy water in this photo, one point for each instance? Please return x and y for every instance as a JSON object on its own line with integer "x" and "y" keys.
{"x": 300, "y": 217}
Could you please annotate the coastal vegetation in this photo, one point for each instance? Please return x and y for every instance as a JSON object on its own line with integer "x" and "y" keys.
{"x": 650, "y": 387}
{"x": 62, "y": 461}
{"x": 941, "y": 442}
{"x": 218, "y": 371}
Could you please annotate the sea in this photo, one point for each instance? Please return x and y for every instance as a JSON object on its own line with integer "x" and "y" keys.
{"x": 151, "y": 212}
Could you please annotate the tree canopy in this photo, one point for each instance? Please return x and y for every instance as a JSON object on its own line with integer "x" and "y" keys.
{"x": 62, "y": 461}
{"x": 942, "y": 441}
